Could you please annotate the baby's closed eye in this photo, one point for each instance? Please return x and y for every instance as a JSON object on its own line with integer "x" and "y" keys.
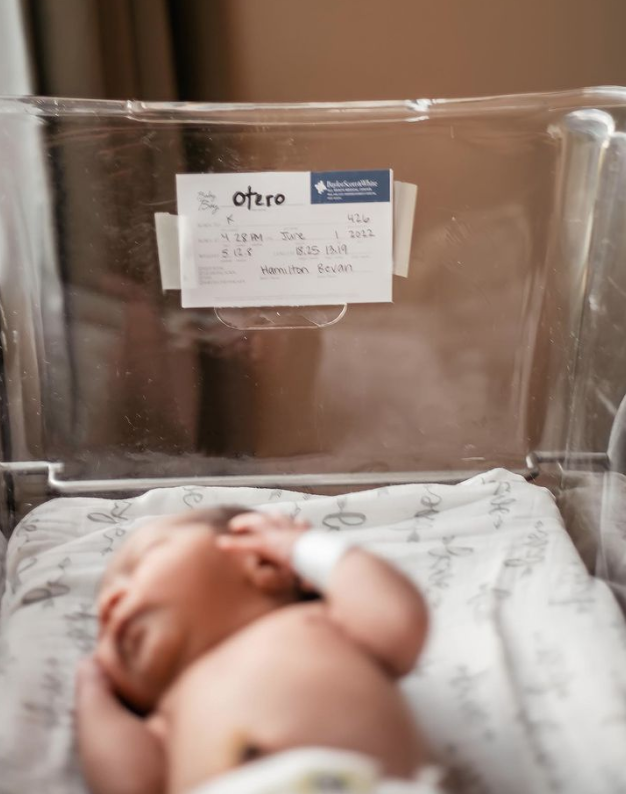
{"x": 131, "y": 638}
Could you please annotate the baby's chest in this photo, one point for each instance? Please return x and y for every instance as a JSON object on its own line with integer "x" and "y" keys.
{"x": 263, "y": 697}
{"x": 276, "y": 684}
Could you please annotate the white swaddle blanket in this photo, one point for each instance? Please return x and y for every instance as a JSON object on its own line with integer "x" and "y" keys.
{"x": 318, "y": 771}
{"x": 522, "y": 686}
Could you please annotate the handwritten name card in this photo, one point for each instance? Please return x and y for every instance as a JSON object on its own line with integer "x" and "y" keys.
{"x": 285, "y": 238}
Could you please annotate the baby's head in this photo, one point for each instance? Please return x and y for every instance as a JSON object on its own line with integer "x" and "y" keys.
{"x": 170, "y": 594}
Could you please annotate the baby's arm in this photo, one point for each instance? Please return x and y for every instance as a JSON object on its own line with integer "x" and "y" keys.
{"x": 371, "y": 601}
{"x": 379, "y": 608}
{"x": 119, "y": 752}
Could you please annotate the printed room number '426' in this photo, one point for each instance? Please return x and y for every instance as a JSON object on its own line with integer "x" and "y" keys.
{"x": 359, "y": 218}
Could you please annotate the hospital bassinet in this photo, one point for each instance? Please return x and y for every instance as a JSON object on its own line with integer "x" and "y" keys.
{"x": 504, "y": 346}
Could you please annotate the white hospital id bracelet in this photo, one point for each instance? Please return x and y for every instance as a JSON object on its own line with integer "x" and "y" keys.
{"x": 315, "y": 556}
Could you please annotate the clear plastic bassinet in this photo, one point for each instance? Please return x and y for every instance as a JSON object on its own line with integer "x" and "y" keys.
{"x": 503, "y": 347}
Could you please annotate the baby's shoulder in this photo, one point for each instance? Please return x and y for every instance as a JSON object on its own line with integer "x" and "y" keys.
{"x": 260, "y": 645}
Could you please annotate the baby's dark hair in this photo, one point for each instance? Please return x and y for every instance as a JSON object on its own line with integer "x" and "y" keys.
{"x": 218, "y": 519}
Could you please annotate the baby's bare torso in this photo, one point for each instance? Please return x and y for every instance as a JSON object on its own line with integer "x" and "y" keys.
{"x": 289, "y": 680}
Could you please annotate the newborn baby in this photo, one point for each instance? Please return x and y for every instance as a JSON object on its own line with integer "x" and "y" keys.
{"x": 228, "y": 636}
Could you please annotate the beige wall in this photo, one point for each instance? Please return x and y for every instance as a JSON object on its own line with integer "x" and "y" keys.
{"x": 290, "y": 50}
{"x": 294, "y": 50}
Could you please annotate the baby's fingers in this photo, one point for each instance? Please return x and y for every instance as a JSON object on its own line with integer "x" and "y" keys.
{"x": 265, "y": 522}
{"x": 240, "y": 543}
{"x": 90, "y": 672}
{"x": 92, "y": 682}
{"x": 272, "y": 546}
{"x": 248, "y": 522}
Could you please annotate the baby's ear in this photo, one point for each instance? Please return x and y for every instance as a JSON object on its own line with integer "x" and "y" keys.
{"x": 272, "y": 579}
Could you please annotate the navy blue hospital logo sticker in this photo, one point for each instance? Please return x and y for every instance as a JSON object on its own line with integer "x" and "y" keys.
{"x": 350, "y": 187}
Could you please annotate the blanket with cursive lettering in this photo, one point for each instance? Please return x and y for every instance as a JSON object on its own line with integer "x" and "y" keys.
{"x": 521, "y": 687}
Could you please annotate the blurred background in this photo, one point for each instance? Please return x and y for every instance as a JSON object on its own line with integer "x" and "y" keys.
{"x": 286, "y": 51}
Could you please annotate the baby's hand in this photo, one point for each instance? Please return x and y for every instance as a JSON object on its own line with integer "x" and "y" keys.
{"x": 93, "y": 686}
{"x": 90, "y": 676}
{"x": 119, "y": 751}
{"x": 270, "y": 535}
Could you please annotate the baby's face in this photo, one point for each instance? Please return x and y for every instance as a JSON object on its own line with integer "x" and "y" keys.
{"x": 164, "y": 601}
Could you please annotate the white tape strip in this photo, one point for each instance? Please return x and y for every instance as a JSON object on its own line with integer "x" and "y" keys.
{"x": 166, "y": 226}
{"x": 404, "y": 197}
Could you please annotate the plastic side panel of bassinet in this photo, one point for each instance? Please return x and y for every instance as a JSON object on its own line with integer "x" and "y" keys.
{"x": 594, "y": 498}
